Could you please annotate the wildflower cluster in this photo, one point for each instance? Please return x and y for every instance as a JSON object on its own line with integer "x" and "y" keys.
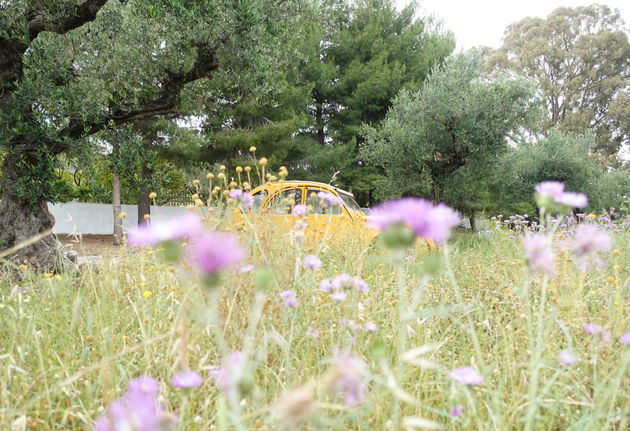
{"x": 338, "y": 285}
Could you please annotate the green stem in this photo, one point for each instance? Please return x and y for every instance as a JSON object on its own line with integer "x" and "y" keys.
{"x": 402, "y": 334}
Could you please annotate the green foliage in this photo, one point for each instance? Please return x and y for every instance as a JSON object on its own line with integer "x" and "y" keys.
{"x": 580, "y": 57}
{"x": 442, "y": 141}
{"x": 558, "y": 157}
{"x": 612, "y": 191}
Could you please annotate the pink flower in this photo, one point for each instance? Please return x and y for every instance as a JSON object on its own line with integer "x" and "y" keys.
{"x": 312, "y": 262}
{"x": 468, "y": 376}
{"x": 538, "y": 252}
{"x": 433, "y": 222}
{"x": 329, "y": 200}
{"x": 312, "y": 332}
{"x": 186, "y": 225}
{"x": 592, "y": 328}
{"x": 228, "y": 376}
{"x": 625, "y": 339}
{"x": 186, "y": 379}
{"x": 371, "y": 327}
{"x": 338, "y": 296}
{"x": 216, "y": 251}
{"x": 290, "y": 299}
{"x": 456, "y": 412}
{"x": 348, "y": 379}
{"x": 244, "y": 198}
{"x": 551, "y": 195}
{"x": 566, "y": 358}
{"x": 299, "y": 210}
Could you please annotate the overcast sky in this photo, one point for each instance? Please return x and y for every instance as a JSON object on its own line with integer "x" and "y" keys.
{"x": 482, "y": 22}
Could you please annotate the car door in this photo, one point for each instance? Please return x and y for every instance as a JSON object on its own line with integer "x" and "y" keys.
{"x": 324, "y": 221}
{"x": 278, "y": 206}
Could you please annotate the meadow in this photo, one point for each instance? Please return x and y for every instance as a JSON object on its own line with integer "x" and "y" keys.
{"x": 461, "y": 336}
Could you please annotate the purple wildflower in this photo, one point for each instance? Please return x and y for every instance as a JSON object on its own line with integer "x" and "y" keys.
{"x": 139, "y": 409}
{"x": 456, "y": 412}
{"x": 433, "y": 222}
{"x": 299, "y": 210}
{"x": 326, "y": 285}
{"x": 245, "y": 198}
{"x": 468, "y": 376}
{"x": 625, "y": 339}
{"x": 589, "y": 239}
{"x": 185, "y": 225}
{"x": 186, "y": 379}
{"x": 538, "y": 252}
{"x": 371, "y": 327}
{"x": 228, "y": 376}
{"x": 341, "y": 281}
{"x": 347, "y": 379}
{"x": 552, "y": 189}
{"x": 247, "y": 268}
{"x": 566, "y": 358}
{"x": 312, "y": 262}
{"x": 312, "y": 332}
{"x": 289, "y": 298}
{"x": 592, "y": 328}
{"x": 338, "y": 296}
{"x": 216, "y": 251}
{"x": 551, "y": 195}
{"x": 360, "y": 285}
{"x": 329, "y": 200}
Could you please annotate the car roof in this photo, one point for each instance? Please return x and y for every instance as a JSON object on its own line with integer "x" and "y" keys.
{"x": 278, "y": 184}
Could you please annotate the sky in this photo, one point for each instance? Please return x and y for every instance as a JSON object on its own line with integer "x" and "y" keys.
{"x": 482, "y": 22}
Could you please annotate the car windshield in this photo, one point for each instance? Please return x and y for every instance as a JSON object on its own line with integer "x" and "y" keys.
{"x": 351, "y": 204}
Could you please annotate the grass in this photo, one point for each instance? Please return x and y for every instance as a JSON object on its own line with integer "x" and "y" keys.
{"x": 70, "y": 343}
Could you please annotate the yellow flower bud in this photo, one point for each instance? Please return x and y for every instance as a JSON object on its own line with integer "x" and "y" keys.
{"x": 147, "y": 216}
{"x": 239, "y": 169}
{"x": 196, "y": 182}
{"x": 210, "y": 176}
{"x": 263, "y": 162}
{"x": 233, "y": 184}
{"x": 147, "y": 293}
{"x": 226, "y": 193}
{"x": 246, "y": 186}
{"x": 268, "y": 176}
{"x": 273, "y": 178}
{"x": 221, "y": 176}
{"x": 122, "y": 215}
{"x": 222, "y": 167}
{"x": 252, "y": 149}
{"x": 198, "y": 202}
{"x": 214, "y": 192}
{"x": 195, "y": 197}
{"x": 248, "y": 168}
{"x": 152, "y": 195}
{"x": 189, "y": 207}
{"x": 217, "y": 188}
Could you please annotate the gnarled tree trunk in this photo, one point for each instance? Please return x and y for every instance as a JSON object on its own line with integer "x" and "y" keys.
{"x": 20, "y": 221}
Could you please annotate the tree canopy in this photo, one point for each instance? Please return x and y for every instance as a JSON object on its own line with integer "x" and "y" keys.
{"x": 580, "y": 58}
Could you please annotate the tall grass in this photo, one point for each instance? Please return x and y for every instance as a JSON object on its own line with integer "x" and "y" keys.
{"x": 70, "y": 343}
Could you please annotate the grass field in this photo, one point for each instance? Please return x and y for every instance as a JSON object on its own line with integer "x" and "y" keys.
{"x": 70, "y": 343}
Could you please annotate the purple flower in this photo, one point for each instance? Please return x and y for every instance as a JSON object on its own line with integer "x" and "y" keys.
{"x": 338, "y": 296}
{"x": 186, "y": 225}
{"x": 326, "y": 285}
{"x": 625, "y": 339}
{"x": 186, "y": 379}
{"x": 329, "y": 200}
{"x": 247, "y": 268}
{"x": 229, "y": 375}
{"x": 216, "y": 251}
{"x": 312, "y": 262}
{"x": 456, "y": 412}
{"x": 371, "y": 327}
{"x": 341, "y": 281}
{"x": 551, "y": 195}
{"x": 589, "y": 239}
{"x": 246, "y": 199}
{"x": 538, "y": 252}
{"x": 139, "y": 409}
{"x": 312, "y": 332}
{"x": 429, "y": 221}
{"x": 566, "y": 358}
{"x": 299, "y": 210}
{"x": 468, "y": 376}
{"x": 360, "y": 285}
{"x": 347, "y": 379}
{"x": 592, "y": 328}
{"x": 289, "y": 298}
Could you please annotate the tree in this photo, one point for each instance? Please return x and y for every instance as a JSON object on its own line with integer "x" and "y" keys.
{"x": 359, "y": 56}
{"x": 580, "y": 58}
{"x": 557, "y": 157}
{"x": 442, "y": 141}
{"x": 69, "y": 70}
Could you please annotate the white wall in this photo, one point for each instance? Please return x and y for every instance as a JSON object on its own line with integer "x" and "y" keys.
{"x": 98, "y": 219}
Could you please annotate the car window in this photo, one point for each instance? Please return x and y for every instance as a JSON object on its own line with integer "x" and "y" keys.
{"x": 283, "y": 201}
{"x": 259, "y": 198}
{"x": 351, "y": 204}
{"x": 315, "y": 207}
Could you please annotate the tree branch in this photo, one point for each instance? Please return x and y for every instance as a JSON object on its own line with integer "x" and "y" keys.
{"x": 85, "y": 12}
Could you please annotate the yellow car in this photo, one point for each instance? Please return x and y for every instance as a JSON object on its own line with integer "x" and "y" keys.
{"x": 277, "y": 200}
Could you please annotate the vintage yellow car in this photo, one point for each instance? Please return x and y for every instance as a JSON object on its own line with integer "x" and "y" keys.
{"x": 277, "y": 200}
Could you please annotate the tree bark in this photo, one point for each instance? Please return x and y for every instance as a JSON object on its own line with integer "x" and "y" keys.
{"x": 144, "y": 202}
{"x": 19, "y": 225}
{"x": 117, "y": 209}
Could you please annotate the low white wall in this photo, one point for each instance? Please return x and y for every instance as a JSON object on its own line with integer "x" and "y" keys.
{"x": 98, "y": 219}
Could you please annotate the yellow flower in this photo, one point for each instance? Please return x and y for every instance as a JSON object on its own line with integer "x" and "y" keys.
{"x": 198, "y": 202}
{"x": 221, "y": 176}
{"x": 233, "y": 184}
{"x": 152, "y": 195}
{"x": 222, "y": 167}
{"x": 616, "y": 252}
{"x": 147, "y": 216}
{"x": 210, "y": 176}
{"x": 239, "y": 169}
{"x": 23, "y": 266}
{"x": 122, "y": 215}
{"x": 263, "y": 162}
{"x": 252, "y": 149}
{"x": 147, "y": 293}
{"x": 195, "y": 196}
{"x": 248, "y": 168}
{"x": 196, "y": 182}
{"x": 591, "y": 216}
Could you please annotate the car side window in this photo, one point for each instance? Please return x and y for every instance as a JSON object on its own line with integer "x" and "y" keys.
{"x": 283, "y": 201}
{"x": 317, "y": 207}
{"x": 259, "y": 198}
